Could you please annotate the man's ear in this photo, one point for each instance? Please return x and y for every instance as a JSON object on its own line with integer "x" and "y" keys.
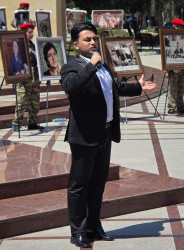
{"x": 75, "y": 44}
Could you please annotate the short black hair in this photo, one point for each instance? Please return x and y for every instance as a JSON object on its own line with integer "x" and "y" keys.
{"x": 46, "y": 48}
{"x": 80, "y": 27}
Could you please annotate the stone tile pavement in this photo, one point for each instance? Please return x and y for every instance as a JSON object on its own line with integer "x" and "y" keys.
{"x": 161, "y": 228}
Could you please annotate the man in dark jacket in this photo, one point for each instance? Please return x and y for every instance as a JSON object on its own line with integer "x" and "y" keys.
{"x": 93, "y": 123}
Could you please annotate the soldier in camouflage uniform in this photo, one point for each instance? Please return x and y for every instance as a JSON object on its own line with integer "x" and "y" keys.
{"x": 176, "y": 83}
{"x": 176, "y": 91}
{"x": 28, "y": 92}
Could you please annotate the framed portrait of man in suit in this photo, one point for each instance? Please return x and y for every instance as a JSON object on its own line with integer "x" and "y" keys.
{"x": 122, "y": 55}
{"x": 21, "y": 17}
{"x": 43, "y": 23}
{"x": 3, "y": 24}
{"x": 15, "y": 56}
{"x": 50, "y": 56}
{"x": 172, "y": 49}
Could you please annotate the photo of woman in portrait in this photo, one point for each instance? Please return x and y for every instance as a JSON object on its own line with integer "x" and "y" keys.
{"x": 51, "y": 59}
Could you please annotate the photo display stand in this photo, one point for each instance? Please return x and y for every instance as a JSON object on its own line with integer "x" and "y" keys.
{"x": 172, "y": 53}
{"x": 48, "y": 84}
{"x": 124, "y": 79}
{"x": 47, "y": 48}
{"x": 2, "y": 82}
{"x": 161, "y": 88}
{"x": 15, "y": 59}
{"x": 17, "y": 110}
{"x": 166, "y": 98}
{"x": 155, "y": 108}
{"x": 15, "y": 87}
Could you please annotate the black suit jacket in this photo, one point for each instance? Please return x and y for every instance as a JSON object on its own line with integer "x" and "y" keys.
{"x": 88, "y": 111}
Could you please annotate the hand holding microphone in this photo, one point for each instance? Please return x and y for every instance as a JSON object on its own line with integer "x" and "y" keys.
{"x": 96, "y": 59}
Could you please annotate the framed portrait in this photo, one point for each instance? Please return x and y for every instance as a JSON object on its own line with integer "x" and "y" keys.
{"x": 43, "y": 23}
{"x": 122, "y": 55}
{"x": 21, "y": 17}
{"x": 51, "y": 57}
{"x": 172, "y": 49}
{"x": 3, "y": 23}
{"x": 15, "y": 56}
{"x": 108, "y": 19}
{"x": 74, "y": 17}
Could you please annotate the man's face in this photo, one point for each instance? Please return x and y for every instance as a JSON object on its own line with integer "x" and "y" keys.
{"x": 86, "y": 43}
{"x": 70, "y": 17}
{"x": 177, "y": 26}
{"x": 15, "y": 47}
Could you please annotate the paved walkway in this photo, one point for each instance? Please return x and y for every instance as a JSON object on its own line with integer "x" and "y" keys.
{"x": 141, "y": 149}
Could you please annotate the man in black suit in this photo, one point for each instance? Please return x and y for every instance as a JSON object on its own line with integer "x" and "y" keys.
{"x": 94, "y": 122}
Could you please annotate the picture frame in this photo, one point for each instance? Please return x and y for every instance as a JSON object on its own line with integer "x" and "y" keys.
{"x": 15, "y": 56}
{"x": 108, "y": 19}
{"x": 122, "y": 55}
{"x": 74, "y": 17}
{"x": 51, "y": 56}
{"x": 43, "y": 23}
{"x": 21, "y": 17}
{"x": 3, "y": 22}
{"x": 172, "y": 49}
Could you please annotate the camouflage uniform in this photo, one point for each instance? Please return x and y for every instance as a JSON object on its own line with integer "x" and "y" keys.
{"x": 28, "y": 93}
{"x": 176, "y": 91}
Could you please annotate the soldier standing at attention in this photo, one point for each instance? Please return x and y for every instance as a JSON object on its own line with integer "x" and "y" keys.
{"x": 28, "y": 92}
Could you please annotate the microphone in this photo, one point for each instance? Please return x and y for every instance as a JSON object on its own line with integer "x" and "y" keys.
{"x": 99, "y": 65}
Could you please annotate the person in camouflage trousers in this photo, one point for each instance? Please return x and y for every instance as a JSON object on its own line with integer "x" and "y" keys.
{"x": 176, "y": 92}
{"x": 176, "y": 82}
{"x": 28, "y": 92}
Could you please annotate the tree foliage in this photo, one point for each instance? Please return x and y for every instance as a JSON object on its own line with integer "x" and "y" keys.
{"x": 162, "y": 10}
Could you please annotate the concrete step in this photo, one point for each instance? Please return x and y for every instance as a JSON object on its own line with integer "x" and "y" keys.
{"x": 31, "y": 169}
{"x": 9, "y": 89}
{"x": 135, "y": 191}
{"x": 56, "y": 100}
{"x": 6, "y": 120}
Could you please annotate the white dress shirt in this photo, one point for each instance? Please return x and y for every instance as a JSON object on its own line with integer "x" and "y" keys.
{"x": 106, "y": 85}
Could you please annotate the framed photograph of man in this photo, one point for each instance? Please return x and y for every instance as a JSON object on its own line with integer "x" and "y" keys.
{"x": 122, "y": 56}
{"x": 3, "y": 24}
{"x": 172, "y": 49}
{"x": 15, "y": 56}
{"x": 21, "y": 17}
{"x": 108, "y": 19}
{"x": 51, "y": 57}
{"x": 74, "y": 17}
{"x": 43, "y": 23}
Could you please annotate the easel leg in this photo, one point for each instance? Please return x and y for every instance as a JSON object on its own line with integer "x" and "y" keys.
{"x": 152, "y": 105}
{"x": 47, "y": 104}
{"x": 160, "y": 91}
{"x": 17, "y": 110}
{"x": 2, "y": 82}
{"x": 150, "y": 100}
{"x": 166, "y": 95}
